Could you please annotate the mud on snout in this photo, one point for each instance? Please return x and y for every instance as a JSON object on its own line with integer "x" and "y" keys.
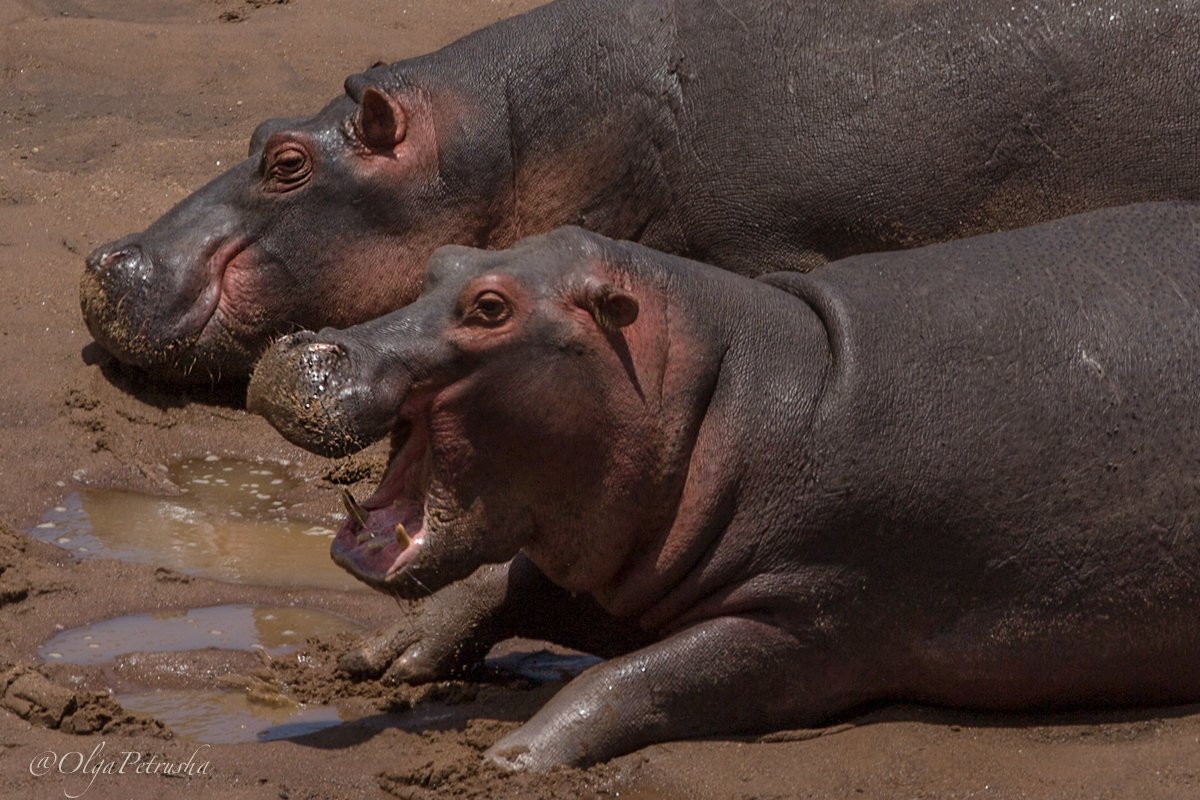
{"x": 317, "y": 396}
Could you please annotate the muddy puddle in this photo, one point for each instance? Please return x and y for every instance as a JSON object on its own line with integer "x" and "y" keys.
{"x": 224, "y": 717}
{"x": 544, "y": 666}
{"x": 216, "y": 715}
{"x": 276, "y": 630}
{"x": 229, "y": 522}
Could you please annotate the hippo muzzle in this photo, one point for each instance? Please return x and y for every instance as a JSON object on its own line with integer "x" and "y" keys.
{"x": 314, "y": 391}
{"x": 329, "y": 394}
{"x": 320, "y": 396}
{"x": 160, "y": 299}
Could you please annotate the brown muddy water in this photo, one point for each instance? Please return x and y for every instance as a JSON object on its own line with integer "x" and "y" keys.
{"x": 230, "y": 521}
{"x": 217, "y": 716}
{"x": 276, "y": 630}
{"x": 227, "y": 520}
{"x": 210, "y": 715}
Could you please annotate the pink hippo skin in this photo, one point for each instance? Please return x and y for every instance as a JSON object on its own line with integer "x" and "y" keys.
{"x": 963, "y": 475}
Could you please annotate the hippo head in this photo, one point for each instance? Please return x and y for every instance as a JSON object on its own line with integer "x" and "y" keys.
{"x": 328, "y": 222}
{"x": 523, "y": 395}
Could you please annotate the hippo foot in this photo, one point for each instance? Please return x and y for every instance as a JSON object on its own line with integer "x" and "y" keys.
{"x": 447, "y": 635}
{"x": 404, "y": 653}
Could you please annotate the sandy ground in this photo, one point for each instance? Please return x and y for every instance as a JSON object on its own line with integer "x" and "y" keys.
{"x": 109, "y": 113}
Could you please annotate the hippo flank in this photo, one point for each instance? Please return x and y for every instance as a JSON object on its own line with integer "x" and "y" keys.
{"x": 754, "y": 136}
{"x": 962, "y": 475}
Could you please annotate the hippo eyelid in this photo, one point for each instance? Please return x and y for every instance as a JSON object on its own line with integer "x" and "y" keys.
{"x": 488, "y": 308}
{"x": 263, "y": 133}
{"x": 287, "y": 163}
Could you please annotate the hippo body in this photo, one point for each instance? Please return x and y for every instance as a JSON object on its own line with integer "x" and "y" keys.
{"x": 754, "y": 136}
{"x": 964, "y": 474}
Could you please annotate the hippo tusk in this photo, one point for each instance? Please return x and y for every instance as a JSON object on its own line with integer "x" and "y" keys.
{"x": 356, "y": 511}
{"x": 402, "y": 535}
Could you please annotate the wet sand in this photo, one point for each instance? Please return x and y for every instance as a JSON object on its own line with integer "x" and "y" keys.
{"x": 111, "y": 112}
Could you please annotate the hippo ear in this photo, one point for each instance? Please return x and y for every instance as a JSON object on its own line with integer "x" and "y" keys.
{"x": 381, "y": 121}
{"x": 611, "y": 306}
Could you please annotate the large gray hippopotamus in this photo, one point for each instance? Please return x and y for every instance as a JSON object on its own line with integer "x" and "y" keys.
{"x": 754, "y": 136}
{"x": 964, "y": 474}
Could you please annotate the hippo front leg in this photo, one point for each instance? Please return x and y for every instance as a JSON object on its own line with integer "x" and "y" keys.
{"x": 451, "y": 631}
{"x": 446, "y": 635}
{"x": 718, "y": 677}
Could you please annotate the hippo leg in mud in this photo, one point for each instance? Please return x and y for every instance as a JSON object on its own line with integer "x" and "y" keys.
{"x": 456, "y": 626}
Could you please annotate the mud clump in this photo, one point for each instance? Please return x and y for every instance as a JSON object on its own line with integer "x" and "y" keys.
{"x": 365, "y": 466}
{"x": 33, "y": 697}
{"x": 14, "y": 586}
{"x": 22, "y": 575}
{"x": 457, "y": 770}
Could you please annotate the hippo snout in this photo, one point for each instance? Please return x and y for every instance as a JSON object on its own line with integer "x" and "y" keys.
{"x": 121, "y": 265}
{"x": 316, "y": 393}
{"x": 120, "y": 257}
{"x": 146, "y": 312}
{"x": 118, "y": 276}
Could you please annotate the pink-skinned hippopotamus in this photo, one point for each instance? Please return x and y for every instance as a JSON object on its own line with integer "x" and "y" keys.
{"x": 754, "y": 136}
{"x": 964, "y": 474}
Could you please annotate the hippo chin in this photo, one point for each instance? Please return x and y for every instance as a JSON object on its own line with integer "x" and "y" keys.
{"x": 754, "y": 137}
{"x": 962, "y": 475}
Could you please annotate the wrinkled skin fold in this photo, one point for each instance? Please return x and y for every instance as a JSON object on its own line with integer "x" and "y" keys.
{"x": 961, "y": 475}
{"x": 756, "y": 137}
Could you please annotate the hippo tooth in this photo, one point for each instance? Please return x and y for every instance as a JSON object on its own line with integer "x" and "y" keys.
{"x": 365, "y": 536}
{"x": 402, "y": 535}
{"x": 374, "y": 547}
{"x": 356, "y": 511}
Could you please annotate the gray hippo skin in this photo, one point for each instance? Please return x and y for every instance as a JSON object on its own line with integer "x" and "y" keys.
{"x": 962, "y": 475}
{"x": 754, "y": 136}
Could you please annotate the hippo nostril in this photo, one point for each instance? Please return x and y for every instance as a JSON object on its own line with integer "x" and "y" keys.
{"x": 321, "y": 357}
{"x": 109, "y": 257}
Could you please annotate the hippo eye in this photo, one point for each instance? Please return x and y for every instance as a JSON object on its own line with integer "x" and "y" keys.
{"x": 288, "y": 166}
{"x": 489, "y": 308}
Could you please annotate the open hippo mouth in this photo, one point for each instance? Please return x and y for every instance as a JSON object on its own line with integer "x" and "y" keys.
{"x": 381, "y": 539}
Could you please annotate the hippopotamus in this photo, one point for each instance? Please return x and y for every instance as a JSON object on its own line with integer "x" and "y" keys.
{"x": 963, "y": 474}
{"x": 757, "y": 137}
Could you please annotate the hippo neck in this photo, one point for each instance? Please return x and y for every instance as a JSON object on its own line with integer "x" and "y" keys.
{"x": 585, "y": 113}
{"x": 754, "y": 392}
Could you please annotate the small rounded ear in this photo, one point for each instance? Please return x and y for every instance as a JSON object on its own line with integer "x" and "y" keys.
{"x": 611, "y": 306}
{"x": 381, "y": 121}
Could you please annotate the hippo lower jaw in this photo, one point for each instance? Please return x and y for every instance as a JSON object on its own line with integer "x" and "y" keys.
{"x": 381, "y": 550}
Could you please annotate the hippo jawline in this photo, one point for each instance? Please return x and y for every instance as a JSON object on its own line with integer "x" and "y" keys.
{"x": 387, "y": 538}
